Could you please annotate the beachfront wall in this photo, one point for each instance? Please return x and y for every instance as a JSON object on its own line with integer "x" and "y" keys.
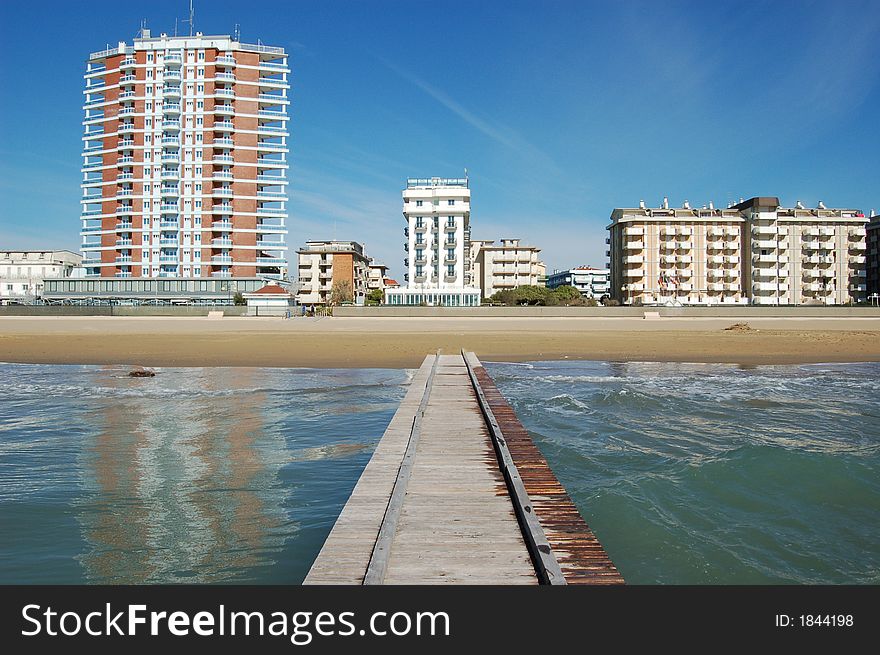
{"x": 735, "y": 311}
{"x": 755, "y": 252}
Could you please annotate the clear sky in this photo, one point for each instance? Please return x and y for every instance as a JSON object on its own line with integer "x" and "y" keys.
{"x": 560, "y": 111}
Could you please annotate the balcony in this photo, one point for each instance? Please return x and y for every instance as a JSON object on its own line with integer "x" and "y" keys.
{"x": 126, "y": 127}
{"x": 857, "y": 233}
{"x": 224, "y": 109}
{"x": 668, "y": 231}
{"x": 223, "y": 126}
{"x": 268, "y": 145}
{"x": 634, "y": 245}
{"x": 171, "y": 91}
{"x": 170, "y": 141}
{"x": 171, "y": 125}
{"x": 857, "y": 287}
{"x": 169, "y": 242}
{"x": 221, "y": 259}
{"x": 858, "y": 246}
{"x": 770, "y": 286}
{"x": 172, "y": 75}
{"x": 765, "y": 244}
{"x": 634, "y": 272}
{"x": 170, "y": 158}
{"x": 169, "y": 225}
{"x": 271, "y": 260}
{"x": 857, "y": 259}
{"x": 168, "y": 190}
{"x": 225, "y": 77}
{"x": 169, "y": 208}
{"x": 638, "y": 259}
{"x": 222, "y": 242}
{"x": 173, "y": 58}
{"x": 682, "y": 245}
{"x": 222, "y": 208}
{"x": 171, "y": 108}
{"x": 223, "y": 142}
{"x": 170, "y": 174}
{"x": 224, "y": 93}
{"x": 765, "y": 230}
{"x": 225, "y": 61}
{"x": 168, "y": 259}
{"x": 221, "y": 225}
{"x": 127, "y": 79}
{"x": 223, "y": 159}
{"x": 272, "y": 82}
{"x": 770, "y": 259}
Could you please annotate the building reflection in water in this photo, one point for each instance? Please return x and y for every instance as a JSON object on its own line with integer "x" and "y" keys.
{"x": 182, "y": 482}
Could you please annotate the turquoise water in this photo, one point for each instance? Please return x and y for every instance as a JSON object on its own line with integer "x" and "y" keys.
{"x": 688, "y": 473}
{"x": 712, "y": 473}
{"x": 197, "y": 475}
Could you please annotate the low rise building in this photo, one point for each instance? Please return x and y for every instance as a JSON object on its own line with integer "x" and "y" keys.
{"x": 591, "y": 282}
{"x": 378, "y": 275}
{"x": 146, "y": 291}
{"x": 269, "y": 300}
{"x": 753, "y": 252}
{"x": 323, "y": 264}
{"x": 504, "y": 266}
{"x": 23, "y": 272}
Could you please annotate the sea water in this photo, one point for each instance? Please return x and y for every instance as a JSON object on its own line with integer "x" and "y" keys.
{"x": 688, "y": 473}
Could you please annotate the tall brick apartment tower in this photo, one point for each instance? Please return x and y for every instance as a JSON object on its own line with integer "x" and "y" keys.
{"x": 184, "y": 159}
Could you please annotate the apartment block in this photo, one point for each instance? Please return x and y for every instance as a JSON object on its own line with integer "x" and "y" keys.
{"x": 591, "y": 282}
{"x": 753, "y": 252}
{"x": 325, "y": 263}
{"x": 378, "y": 273}
{"x": 185, "y": 158}
{"x": 503, "y": 266}
{"x": 873, "y": 256}
{"x": 22, "y": 272}
{"x": 437, "y": 214}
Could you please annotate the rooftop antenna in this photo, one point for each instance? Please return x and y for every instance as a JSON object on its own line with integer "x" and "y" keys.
{"x": 190, "y": 20}
{"x": 237, "y": 32}
{"x": 143, "y": 28}
{"x": 175, "y": 26}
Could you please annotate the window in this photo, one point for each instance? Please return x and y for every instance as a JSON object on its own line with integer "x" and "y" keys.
{"x": 418, "y": 203}
{"x": 149, "y": 56}
{"x": 450, "y": 202}
{"x": 201, "y": 55}
{"x": 450, "y": 270}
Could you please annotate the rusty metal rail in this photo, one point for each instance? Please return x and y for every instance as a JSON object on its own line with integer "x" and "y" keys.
{"x": 563, "y": 548}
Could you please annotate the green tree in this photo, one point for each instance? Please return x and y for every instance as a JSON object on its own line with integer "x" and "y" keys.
{"x": 238, "y": 299}
{"x": 567, "y": 295}
{"x": 341, "y": 292}
{"x": 375, "y": 297}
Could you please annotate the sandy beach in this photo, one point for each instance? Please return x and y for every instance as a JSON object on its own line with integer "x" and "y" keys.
{"x": 403, "y": 342}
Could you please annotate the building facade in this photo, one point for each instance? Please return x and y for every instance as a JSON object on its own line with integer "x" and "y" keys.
{"x": 754, "y": 252}
{"x": 872, "y": 238}
{"x": 591, "y": 282}
{"x": 325, "y": 263}
{"x": 184, "y": 159}
{"x": 437, "y": 214}
{"x": 504, "y": 266}
{"x": 378, "y": 273}
{"x": 22, "y": 272}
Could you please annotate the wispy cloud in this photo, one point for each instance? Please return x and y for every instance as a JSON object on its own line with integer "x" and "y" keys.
{"x": 499, "y": 133}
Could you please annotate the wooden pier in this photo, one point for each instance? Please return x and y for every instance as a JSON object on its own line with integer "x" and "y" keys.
{"x": 457, "y": 492}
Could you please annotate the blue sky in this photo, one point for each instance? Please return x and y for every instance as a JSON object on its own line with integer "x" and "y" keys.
{"x": 561, "y": 111}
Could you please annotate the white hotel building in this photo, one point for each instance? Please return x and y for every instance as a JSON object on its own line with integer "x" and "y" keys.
{"x": 437, "y": 213}
{"x": 184, "y": 159}
{"x": 755, "y": 252}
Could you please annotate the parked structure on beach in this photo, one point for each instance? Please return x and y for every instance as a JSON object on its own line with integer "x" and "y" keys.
{"x": 323, "y": 264}
{"x": 872, "y": 237}
{"x": 504, "y": 266}
{"x": 591, "y": 282}
{"x": 752, "y": 252}
{"x": 437, "y": 214}
{"x": 184, "y": 160}
{"x": 22, "y": 272}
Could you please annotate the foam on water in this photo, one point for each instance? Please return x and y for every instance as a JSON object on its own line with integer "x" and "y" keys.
{"x": 709, "y": 473}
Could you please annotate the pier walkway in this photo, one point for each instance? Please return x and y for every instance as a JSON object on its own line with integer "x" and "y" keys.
{"x": 456, "y": 492}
